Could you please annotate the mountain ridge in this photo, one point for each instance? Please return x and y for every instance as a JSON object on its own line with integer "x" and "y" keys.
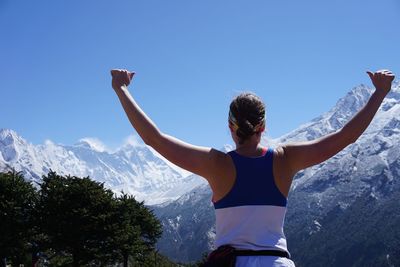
{"x": 134, "y": 168}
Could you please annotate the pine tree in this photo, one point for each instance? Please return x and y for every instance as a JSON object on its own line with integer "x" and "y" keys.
{"x": 17, "y": 200}
{"x": 74, "y": 214}
{"x": 137, "y": 229}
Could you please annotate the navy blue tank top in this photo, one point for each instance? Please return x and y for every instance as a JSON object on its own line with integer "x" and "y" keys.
{"x": 254, "y": 184}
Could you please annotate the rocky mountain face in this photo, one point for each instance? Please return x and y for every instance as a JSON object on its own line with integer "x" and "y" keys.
{"x": 343, "y": 212}
{"x": 134, "y": 168}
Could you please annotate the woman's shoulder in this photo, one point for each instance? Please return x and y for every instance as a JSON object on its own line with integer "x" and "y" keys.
{"x": 220, "y": 155}
{"x": 278, "y": 150}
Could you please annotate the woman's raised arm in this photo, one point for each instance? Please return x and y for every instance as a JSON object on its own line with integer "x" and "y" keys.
{"x": 305, "y": 154}
{"x": 199, "y": 160}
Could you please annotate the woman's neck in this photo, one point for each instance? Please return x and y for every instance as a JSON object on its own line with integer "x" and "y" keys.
{"x": 249, "y": 149}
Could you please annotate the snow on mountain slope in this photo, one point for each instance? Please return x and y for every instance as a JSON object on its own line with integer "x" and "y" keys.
{"x": 331, "y": 120}
{"x": 134, "y": 168}
{"x": 378, "y": 146}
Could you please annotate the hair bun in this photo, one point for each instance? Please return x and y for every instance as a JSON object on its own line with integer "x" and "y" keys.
{"x": 248, "y": 111}
{"x": 246, "y": 129}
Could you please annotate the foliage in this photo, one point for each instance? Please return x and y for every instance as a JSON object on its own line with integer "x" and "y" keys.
{"x": 75, "y": 221}
{"x": 73, "y": 214}
{"x": 136, "y": 229}
{"x": 17, "y": 201}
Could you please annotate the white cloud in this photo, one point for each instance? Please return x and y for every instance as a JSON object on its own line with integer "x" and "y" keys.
{"x": 133, "y": 140}
{"x": 94, "y": 143}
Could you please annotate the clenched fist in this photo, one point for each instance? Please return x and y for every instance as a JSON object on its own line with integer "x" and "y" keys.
{"x": 382, "y": 79}
{"x": 121, "y": 78}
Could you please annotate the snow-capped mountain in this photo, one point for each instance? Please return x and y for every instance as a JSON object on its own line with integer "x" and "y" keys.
{"x": 368, "y": 169}
{"x": 359, "y": 163}
{"x": 333, "y": 119}
{"x": 134, "y": 168}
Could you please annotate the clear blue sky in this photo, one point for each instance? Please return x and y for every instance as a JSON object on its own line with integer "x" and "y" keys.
{"x": 191, "y": 58}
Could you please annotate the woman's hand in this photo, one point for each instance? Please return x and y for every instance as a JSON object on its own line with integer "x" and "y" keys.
{"x": 382, "y": 80}
{"x": 121, "y": 78}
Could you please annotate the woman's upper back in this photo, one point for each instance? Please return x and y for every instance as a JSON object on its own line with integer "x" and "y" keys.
{"x": 232, "y": 162}
{"x": 254, "y": 182}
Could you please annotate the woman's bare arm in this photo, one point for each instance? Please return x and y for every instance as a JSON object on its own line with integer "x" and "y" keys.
{"x": 305, "y": 154}
{"x": 199, "y": 160}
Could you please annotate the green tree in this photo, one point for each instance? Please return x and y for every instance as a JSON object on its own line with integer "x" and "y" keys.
{"x": 74, "y": 215}
{"x": 17, "y": 200}
{"x": 137, "y": 230}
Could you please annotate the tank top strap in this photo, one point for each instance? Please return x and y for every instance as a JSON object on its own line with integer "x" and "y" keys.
{"x": 265, "y": 150}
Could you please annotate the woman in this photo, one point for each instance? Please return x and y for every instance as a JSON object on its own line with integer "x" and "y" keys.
{"x": 250, "y": 185}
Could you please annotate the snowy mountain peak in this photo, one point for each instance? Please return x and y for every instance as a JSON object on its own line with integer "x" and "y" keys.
{"x": 347, "y": 106}
{"x": 357, "y": 97}
{"x": 8, "y": 136}
{"x": 340, "y": 114}
{"x": 329, "y": 121}
{"x": 132, "y": 141}
{"x": 10, "y": 146}
{"x": 91, "y": 143}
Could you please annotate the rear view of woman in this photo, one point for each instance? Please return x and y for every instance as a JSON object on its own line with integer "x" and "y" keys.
{"x": 250, "y": 185}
